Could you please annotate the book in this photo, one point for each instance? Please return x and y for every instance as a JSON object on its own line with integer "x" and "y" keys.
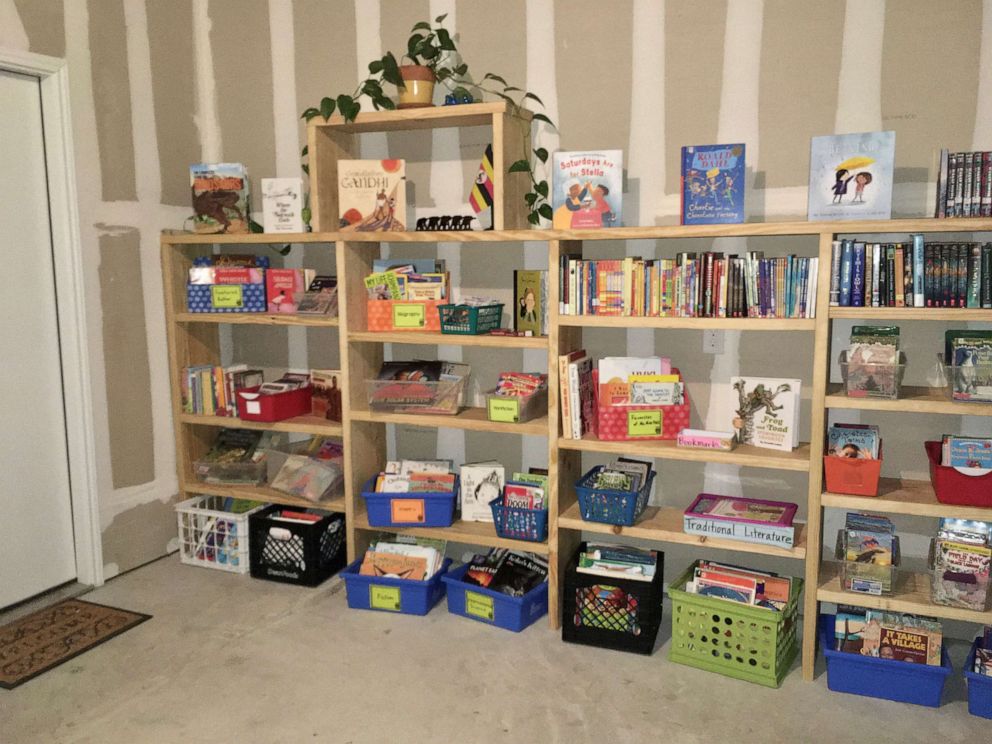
{"x": 966, "y": 452}
{"x": 581, "y": 393}
{"x": 765, "y": 411}
{"x": 371, "y": 195}
{"x": 221, "y": 202}
{"x": 712, "y": 184}
{"x": 326, "y": 400}
{"x": 284, "y": 288}
{"x": 850, "y": 176}
{"x": 618, "y": 562}
{"x": 854, "y": 441}
{"x": 480, "y": 484}
{"x": 587, "y": 189}
{"x": 282, "y": 205}
{"x": 901, "y": 637}
{"x": 564, "y": 388}
{"x": 530, "y": 301}
{"x": 518, "y": 573}
{"x": 615, "y": 373}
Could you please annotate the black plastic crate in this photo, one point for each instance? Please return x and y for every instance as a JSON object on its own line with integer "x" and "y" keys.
{"x": 610, "y": 612}
{"x": 296, "y": 552}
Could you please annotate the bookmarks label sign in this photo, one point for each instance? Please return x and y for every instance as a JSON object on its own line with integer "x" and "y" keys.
{"x": 226, "y": 295}
{"x": 643, "y": 423}
{"x": 409, "y": 316}
{"x": 479, "y": 605}
{"x": 505, "y": 411}
{"x": 384, "y": 598}
{"x": 407, "y": 510}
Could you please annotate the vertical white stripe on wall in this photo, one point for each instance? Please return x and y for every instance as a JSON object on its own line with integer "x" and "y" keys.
{"x": 282, "y": 42}
{"x": 738, "y": 122}
{"x": 859, "y": 93}
{"x": 368, "y": 46}
{"x": 12, "y": 33}
{"x": 982, "y": 137}
{"x": 206, "y": 118}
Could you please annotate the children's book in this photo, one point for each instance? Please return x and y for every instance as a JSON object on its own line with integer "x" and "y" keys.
{"x": 712, "y": 184}
{"x": 220, "y": 198}
{"x": 372, "y": 195}
{"x": 850, "y": 176}
{"x": 480, "y": 483}
{"x": 326, "y": 400}
{"x": 587, "y": 189}
{"x": 765, "y": 411}
{"x": 530, "y": 301}
{"x": 282, "y": 205}
{"x": 854, "y": 441}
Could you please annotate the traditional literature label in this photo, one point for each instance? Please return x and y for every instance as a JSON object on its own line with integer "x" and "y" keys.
{"x": 480, "y": 606}
{"x": 643, "y": 423}
{"x": 504, "y": 410}
{"x": 406, "y": 510}
{"x": 384, "y": 597}
{"x": 226, "y": 295}
{"x": 409, "y": 316}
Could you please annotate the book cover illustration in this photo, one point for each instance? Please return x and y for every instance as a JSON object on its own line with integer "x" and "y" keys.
{"x": 220, "y": 198}
{"x": 282, "y": 205}
{"x": 529, "y": 301}
{"x": 326, "y": 400}
{"x": 480, "y": 484}
{"x": 850, "y": 176}
{"x": 766, "y": 412}
{"x": 372, "y": 195}
{"x": 971, "y": 360}
{"x": 713, "y": 184}
{"x": 587, "y": 189}
{"x": 853, "y": 442}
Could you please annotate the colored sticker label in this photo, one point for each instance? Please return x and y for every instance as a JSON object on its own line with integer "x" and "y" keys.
{"x": 226, "y": 295}
{"x": 480, "y": 606}
{"x": 643, "y": 423}
{"x": 384, "y": 597}
{"x": 506, "y": 410}
{"x": 409, "y": 316}
{"x": 407, "y": 510}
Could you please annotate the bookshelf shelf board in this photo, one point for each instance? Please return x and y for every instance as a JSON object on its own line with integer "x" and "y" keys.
{"x": 754, "y": 457}
{"x": 179, "y": 237}
{"x": 910, "y": 594}
{"x": 307, "y": 424}
{"x": 263, "y": 493}
{"x": 726, "y": 324}
{"x": 896, "y": 496}
{"x": 434, "y": 339}
{"x": 911, "y": 313}
{"x": 664, "y": 524}
{"x": 259, "y": 319}
{"x": 438, "y": 117}
{"x": 913, "y": 400}
{"x": 471, "y": 419}
{"x": 469, "y": 533}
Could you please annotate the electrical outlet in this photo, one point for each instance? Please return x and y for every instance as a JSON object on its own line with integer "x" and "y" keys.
{"x": 712, "y": 342}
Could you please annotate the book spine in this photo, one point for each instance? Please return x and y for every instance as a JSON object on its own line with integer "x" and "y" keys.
{"x": 959, "y": 185}
{"x": 575, "y": 399}
{"x": 928, "y": 274}
{"x": 858, "y": 276}
{"x": 846, "y": 270}
{"x": 918, "y": 271}
{"x": 969, "y": 181}
{"x": 907, "y": 256}
{"x": 900, "y": 277}
{"x": 869, "y": 274}
{"x": 835, "y": 258}
{"x": 941, "y": 210}
{"x": 876, "y": 276}
{"x": 814, "y": 292}
{"x": 986, "y": 184}
{"x": 945, "y": 275}
{"x": 883, "y": 276}
{"x": 974, "y": 276}
{"x": 976, "y": 183}
{"x": 890, "y": 271}
{"x": 565, "y": 395}
{"x": 961, "y": 295}
{"x": 987, "y": 275}
{"x": 952, "y": 167}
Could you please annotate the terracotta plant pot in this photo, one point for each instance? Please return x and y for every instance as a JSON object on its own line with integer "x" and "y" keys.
{"x": 419, "y": 90}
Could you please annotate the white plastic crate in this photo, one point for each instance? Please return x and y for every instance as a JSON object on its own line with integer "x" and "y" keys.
{"x": 212, "y": 537}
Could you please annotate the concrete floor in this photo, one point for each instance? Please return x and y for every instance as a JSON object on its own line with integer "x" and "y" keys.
{"x": 231, "y": 659}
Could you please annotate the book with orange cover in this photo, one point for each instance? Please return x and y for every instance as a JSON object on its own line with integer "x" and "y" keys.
{"x": 394, "y": 565}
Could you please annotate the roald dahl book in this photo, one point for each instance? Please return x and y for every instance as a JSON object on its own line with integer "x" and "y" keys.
{"x": 712, "y": 184}
{"x": 587, "y": 189}
{"x": 850, "y": 176}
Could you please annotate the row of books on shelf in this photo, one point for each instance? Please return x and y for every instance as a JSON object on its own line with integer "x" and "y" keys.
{"x": 706, "y": 285}
{"x": 408, "y": 279}
{"x": 964, "y": 184}
{"x": 237, "y": 390}
{"x": 916, "y": 274}
{"x": 888, "y": 635}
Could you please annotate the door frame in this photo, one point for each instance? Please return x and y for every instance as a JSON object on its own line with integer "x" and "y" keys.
{"x": 67, "y": 252}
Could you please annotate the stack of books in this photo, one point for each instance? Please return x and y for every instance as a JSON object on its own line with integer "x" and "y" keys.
{"x": 314, "y": 471}
{"x": 743, "y": 585}
{"x": 578, "y": 396}
{"x": 964, "y": 184}
{"x": 737, "y": 518}
{"x": 618, "y": 562}
{"x": 622, "y": 474}
{"x": 869, "y": 551}
{"x": 507, "y": 571}
{"x": 961, "y": 555}
{"x": 404, "y": 282}
{"x": 966, "y": 452}
{"x": 212, "y": 390}
{"x": 968, "y": 353}
{"x": 416, "y": 476}
{"x": 872, "y": 365}
{"x": 415, "y": 559}
{"x": 888, "y": 635}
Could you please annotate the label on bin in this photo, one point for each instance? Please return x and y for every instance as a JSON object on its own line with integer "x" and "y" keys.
{"x": 479, "y": 605}
{"x": 226, "y": 295}
{"x": 506, "y": 410}
{"x": 384, "y": 597}
{"x": 409, "y": 316}
{"x": 643, "y": 423}
{"x": 866, "y": 586}
{"x": 406, "y": 510}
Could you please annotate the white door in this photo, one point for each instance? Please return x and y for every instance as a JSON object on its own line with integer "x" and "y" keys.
{"x": 36, "y": 539}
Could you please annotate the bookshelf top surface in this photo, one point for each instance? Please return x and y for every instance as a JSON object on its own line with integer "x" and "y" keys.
{"x": 437, "y": 117}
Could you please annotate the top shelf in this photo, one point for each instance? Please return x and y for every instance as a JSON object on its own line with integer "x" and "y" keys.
{"x": 438, "y": 117}
{"x": 661, "y": 232}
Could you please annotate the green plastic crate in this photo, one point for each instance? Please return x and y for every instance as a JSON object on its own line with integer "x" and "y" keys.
{"x": 465, "y": 320}
{"x": 750, "y": 643}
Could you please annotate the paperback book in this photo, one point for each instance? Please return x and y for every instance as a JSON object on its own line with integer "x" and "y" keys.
{"x": 712, "y": 184}
{"x": 766, "y": 411}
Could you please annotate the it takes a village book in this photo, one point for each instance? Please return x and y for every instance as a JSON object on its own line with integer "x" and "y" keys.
{"x": 850, "y": 176}
{"x": 712, "y": 184}
{"x": 587, "y": 189}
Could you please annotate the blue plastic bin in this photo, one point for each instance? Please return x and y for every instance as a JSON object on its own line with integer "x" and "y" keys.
{"x": 495, "y": 608}
{"x": 409, "y": 509}
{"x": 609, "y": 506}
{"x": 979, "y": 687}
{"x": 393, "y": 595}
{"x": 519, "y": 524}
{"x": 901, "y": 681}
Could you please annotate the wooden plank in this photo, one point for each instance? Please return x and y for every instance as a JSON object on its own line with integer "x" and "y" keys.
{"x": 898, "y": 496}
{"x": 664, "y": 524}
{"x": 911, "y": 313}
{"x": 511, "y": 142}
{"x": 469, "y": 533}
{"x": 431, "y": 338}
{"x": 435, "y": 117}
{"x": 257, "y": 319}
{"x": 177, "y": 238}
{"x": 723, "y": 324}
{"x": 326, "y": 146}
{"x": 471, "y": 419}
{"x": 305, "y": 424}
{"x": 911, "y": 593}
{"x": 754, "y": 457}
{"x": 912, "y": 399}
{"x": 263, "y": 493}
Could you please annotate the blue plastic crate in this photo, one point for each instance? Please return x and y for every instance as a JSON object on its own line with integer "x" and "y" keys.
{"x": 609, "y": 506}
{"x": 519, "y": 524}
{"x": 393, "y": 595}
{"x": 395, "y": 509}
{"x": 979, "y": 687}
{"x": 200, "y": 298}
{"x": 495, "y": 608}
{"x": 901, "y": 681}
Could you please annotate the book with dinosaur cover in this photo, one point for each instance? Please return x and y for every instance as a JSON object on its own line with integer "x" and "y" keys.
{"x": 372, "y": 195}
{"x": 220, "y": 198}
{"x": 712, "y": 184}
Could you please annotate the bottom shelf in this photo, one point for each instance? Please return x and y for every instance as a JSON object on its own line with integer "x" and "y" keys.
{"x": 911, "y": 594}
{"x": 264, "y": 493}
{"x": 470, "y": 533}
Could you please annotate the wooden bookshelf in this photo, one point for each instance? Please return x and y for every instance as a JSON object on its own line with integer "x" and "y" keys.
{"x": 307, "y": 424}
{"x": 258, "y": 319}
{"x": 871, "y": 314}
{"x": 897, "y": 496}
{"x": 470, "y": 419}
{"x": 911, "y": 399}
{"x": 696, "y": 324}
{"x": 468, "y": 533}
{"x": 449, "y": 339}
{"x": 264, "y": 493}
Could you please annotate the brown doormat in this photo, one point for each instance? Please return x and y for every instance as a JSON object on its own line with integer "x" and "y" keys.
{"x": 44, "y": 639}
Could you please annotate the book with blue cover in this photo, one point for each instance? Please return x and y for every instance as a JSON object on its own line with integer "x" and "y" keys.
{"x": 712, "y": 184}
{"x": 850, "y": 176}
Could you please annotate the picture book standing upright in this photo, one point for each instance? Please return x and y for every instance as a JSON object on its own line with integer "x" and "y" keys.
{"x": 372, "y": 195}
{"x": 587, "y": 190}
{"x": 712, "y": 184}
{"x": 850, "y": 176}
{"x": 220, "y": 197}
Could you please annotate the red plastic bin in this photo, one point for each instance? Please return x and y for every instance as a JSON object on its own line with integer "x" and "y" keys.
{"x": 852, "y": 476}
{"x": 953, "y": 487}
{"x": 277, "y": 407}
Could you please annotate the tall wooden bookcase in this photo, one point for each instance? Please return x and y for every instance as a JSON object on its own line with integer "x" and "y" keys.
{"x": 194, "y": 339}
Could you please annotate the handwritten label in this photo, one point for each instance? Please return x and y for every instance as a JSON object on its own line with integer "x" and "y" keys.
{"x": 506, "y": 410}
{"x": 407, "y": 510}
{"x": 480, "y": 606}
{"x": 643, "y": 423}
{"x": 409, "y": 316}
{"x": 384, "y": 597}
{"x": 226, "y": 295}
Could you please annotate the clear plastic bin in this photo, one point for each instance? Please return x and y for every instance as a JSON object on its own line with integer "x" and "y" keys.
{"x": 970, "y": 382}
{"x": 864, "y": 380}
{"x": 866, "y": 578}
{"x": 440, "y": 397}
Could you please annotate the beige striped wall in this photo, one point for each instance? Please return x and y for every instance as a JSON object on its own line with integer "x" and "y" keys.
{"x": 159, "y": 84}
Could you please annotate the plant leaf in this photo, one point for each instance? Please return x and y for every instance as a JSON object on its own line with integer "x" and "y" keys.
{"x": 542, "y": 117}
{"x": 375, "y": 66}
{"x": 413, "y": 44}
{"x": 309, "y": 113}
{"x": 530, "y": 197}
{"x": 423, "y": 24}
{"x": 386, "y": 103}
{"x": 391, "y": 71}
{"x": 542, "y": 155}
{"x": 545, "y": 211}
{"x": 327, "y": 107}
{"x": 440, "y": 18}
{"x": 520, "y": 166}
{"x": 497, "y": 78}
{"x": 306, "y": 168}
{"x": 541, "y": 187}
{"x": 511, "y": 87}
{"x": 533, "y": 218}
{"x": 444, "y": 40}
{"x": 461, "y": 69}
{"x": 305, "y": 151}
{"x": 533, "y": 98}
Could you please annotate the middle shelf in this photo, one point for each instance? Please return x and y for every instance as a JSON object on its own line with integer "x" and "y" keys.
{"x": 912, "y": 399}
{"x": 470, "y": 419}
{"x": 666, "y": 449}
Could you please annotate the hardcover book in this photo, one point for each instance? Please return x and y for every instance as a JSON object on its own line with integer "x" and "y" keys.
{"x": 480, "y": 483}
{"x": 587, "y": 189}
{"x": 766, "y": 411}
{"x": 282, "y": 205}
{"x": 850, "y": 176}
{"x": 220, "y": 198}
{"x": 372, "y": 195}
{"x": 530, "y": 301}
{"x": 712, "y": 184}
